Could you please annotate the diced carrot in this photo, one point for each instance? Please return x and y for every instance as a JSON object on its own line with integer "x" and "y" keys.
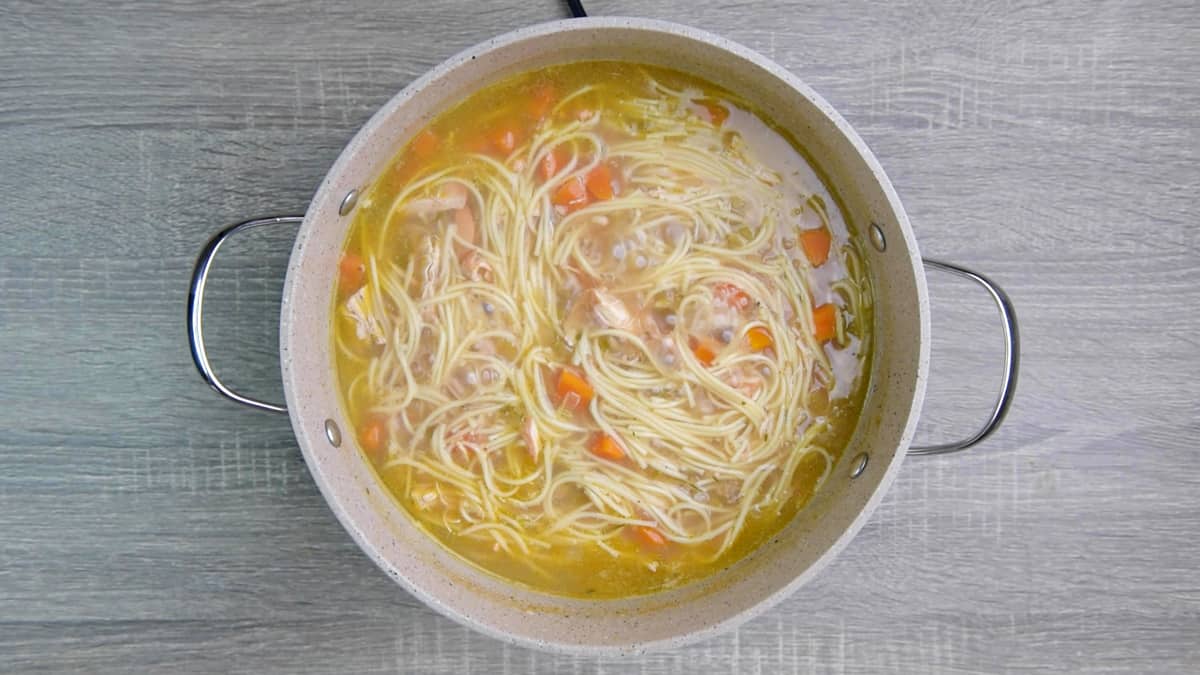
{"x": 505, "y": 139}
{"x": 649, "y": 537}
{"x": 541, "y": 100}
{"x": 816, "y": 245}
{"x": 732, "y": 296}
{"x": 599, "y": 182}
{"x": 759, "y": 338}
{"x": 717, "y": 113}
{"x": 825, "y": 322}
{"x": 704, "y": 349}
{"x": 571, "y": 381}
{"x": 572, "y": 194}
{"x": 607, "y": 447}
{"x": 425, "y": 144}
{"x": 372, "y": 436}
{"x": 550, "y": 164}
{"x": 352, "y": 273}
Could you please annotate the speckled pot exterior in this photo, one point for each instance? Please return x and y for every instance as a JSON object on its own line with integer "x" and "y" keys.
{"x": 721, "y": 602}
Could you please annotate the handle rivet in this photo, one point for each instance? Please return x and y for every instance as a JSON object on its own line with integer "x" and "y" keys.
{"x": 859, "y": 465}
{"x": 348, "y": 202}
{"x": 877, "y": 238}
{"x": 333, "y": 433}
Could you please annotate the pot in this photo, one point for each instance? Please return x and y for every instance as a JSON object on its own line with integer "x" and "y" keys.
{"x": 517, "y": 614}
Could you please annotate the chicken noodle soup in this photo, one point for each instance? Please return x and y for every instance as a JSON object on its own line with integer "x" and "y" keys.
{"x": 601, "y": 329}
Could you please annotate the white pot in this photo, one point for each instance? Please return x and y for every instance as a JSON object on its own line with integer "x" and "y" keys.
{"x": 519, "y": 615}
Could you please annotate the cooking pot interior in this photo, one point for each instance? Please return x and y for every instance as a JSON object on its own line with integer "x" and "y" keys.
{"x": 497, "y": 607}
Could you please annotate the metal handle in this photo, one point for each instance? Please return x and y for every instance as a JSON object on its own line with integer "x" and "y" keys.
{"x": 195, "y": 316}
{"x": 1012, "y": 359}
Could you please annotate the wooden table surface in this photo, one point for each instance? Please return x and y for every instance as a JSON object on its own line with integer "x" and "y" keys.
{"x": 147, "y": 525}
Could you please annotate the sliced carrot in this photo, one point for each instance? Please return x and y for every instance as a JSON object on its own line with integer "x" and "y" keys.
{"x": 825, "y": 322}
{"x": 571, "y": 381}
{"x": 425, "y": 144}
{"x": 505, "y": 139}
{"x": 372, "y": 436}
{"x": 732, "y": 296}
{"x": 352, "y": 273}
{"x": 599, "y": 182}
{"x": 717, "y": 113}
{"x": 572, "y": 194}
{"x": 541, "y": 100}
{"x": 607, "y": 447}
{"x": 704, "y": 349}
{"x": 759, "y": 338}
{"x": 816, "y": 245}
{"x": 550, "y": 164}
{"x": 649, "y": 537}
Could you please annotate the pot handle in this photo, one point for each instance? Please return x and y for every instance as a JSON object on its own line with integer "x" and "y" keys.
{"x": 195, "y": 315}
{"x": 1012, "y": 359}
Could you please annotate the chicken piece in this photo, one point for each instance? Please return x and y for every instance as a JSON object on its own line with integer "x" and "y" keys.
{"x": 450, "y": 197}
{"x": 533, "y": 443}
{"x": 609, "y": 311}
{"x": 431, "y": 269}
{"x": 476, "y": 268}
{"x": 728, "y": 490}
{"x": 366, "y": 326}
{"x": 464, "y": 223}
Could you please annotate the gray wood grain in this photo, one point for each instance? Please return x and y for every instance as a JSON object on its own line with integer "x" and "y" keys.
{"x": 147, "y": 525}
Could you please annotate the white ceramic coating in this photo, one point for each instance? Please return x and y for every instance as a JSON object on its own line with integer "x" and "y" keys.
{"x": 517, "y": 614}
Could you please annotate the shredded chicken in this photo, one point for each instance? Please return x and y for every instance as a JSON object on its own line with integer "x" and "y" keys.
{"x": 609, "y": 310}
{"x": 464, "y": 222}
{"x": 476, "y": 268}
{"x": 366, "y": 326}
{"x": 451, "y": 197}
{"x": 728, "y": 490}
{"x": 529, "y": 432}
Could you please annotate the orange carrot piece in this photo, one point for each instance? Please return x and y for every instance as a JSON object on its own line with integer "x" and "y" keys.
{"x": 352, "y": 273}
{"x": 825, "y": 322}
{"x": 607, "y": 447}
{"x": 372, "y": 437}
{"x": 649, "y": 537}
{"x": 732, "y": 296}
{"x": 816, "y": 245}
{"x": 716, "y": 112}
{"x": 572, "y": 194}
{"x": 759, "y": 338}
{"x": 571, "y": 381}
{"x": 599, "y": 182}
{"x": 425, "y": 144}
{"x": 550, "y": 164}
{"x": 704, "y": 350}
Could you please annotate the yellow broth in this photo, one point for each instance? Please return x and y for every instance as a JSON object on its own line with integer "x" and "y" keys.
{"x": 603, "y": 290}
